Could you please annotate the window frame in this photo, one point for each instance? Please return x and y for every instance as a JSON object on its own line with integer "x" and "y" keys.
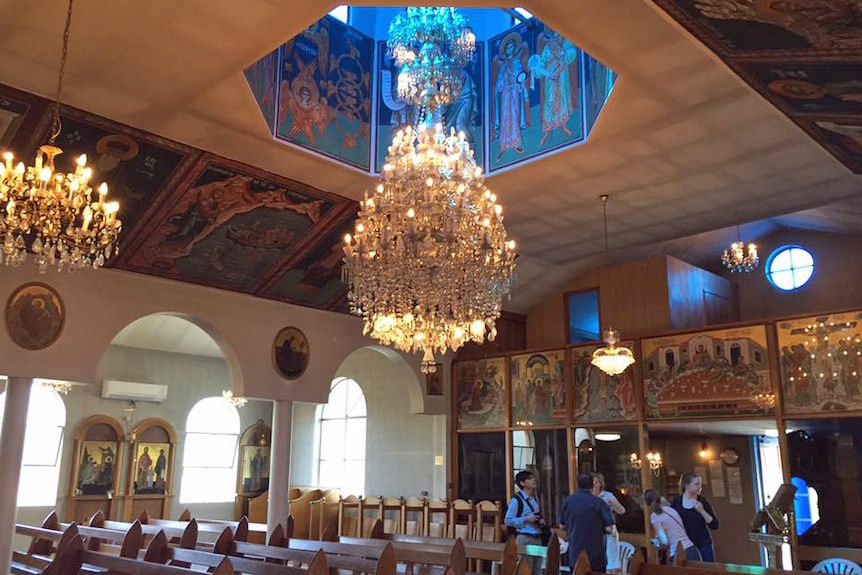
{"x": 788, "y": 248}
{"x": 349, "y": 414}
{"x": 223, "y": 473}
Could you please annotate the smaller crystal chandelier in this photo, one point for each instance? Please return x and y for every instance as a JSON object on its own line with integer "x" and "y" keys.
{"x": 227, "y": 395}
{"x": 764, "y": 400}
{"x": 431, "y": 46}
{"x": 61, "y": 387}
{"x": 52, "y": 214}
{"x": 739, "y": 258}
{"x": 611, "y": 359}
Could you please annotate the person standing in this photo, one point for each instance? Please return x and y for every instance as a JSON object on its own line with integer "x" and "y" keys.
{"x": 697, "y": 515}
{"x": 668, "y": 526}
{"x": 524, "y": 518}
{"x": 612, "y": 539}
{"x": 587, "y": 519}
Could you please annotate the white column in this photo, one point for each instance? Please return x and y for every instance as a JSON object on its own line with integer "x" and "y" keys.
{"x": 11, "y": 454}
{"x": 279, "y": 465}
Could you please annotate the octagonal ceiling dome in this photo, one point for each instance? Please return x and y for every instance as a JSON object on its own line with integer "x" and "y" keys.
{"x": 527, "y": 91}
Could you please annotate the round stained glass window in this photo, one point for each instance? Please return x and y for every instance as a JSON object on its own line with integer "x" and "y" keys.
{"x": 790, "y": 267}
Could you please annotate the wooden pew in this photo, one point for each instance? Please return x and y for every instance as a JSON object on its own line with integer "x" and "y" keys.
{"x": 504, "y": 554}
{"x": 186, "y": 537}
{"x": 683, "y": 567}
{"x": 371, "y": 559}
{"x": 121, "y": 543}
{"x": 240, "y": 528}
{"x": 66, "y": 561}
{"x": 160, "y": 552}
{"x": 442, "y": 557}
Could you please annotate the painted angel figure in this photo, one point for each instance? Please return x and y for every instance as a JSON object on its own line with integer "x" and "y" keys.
{"x": 553, "y": 65}
{"x": 301, "y": 97}
{"x": 511, "y": 96}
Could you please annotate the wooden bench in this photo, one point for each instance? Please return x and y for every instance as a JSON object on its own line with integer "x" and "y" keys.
{"x": 160, "y": 552}
{"x": 681, "y": 566}
{"x": 66, "y": 560}
{"x": 438, "y": 557}
{"x": 371, "y": 559}
{"x": 186, "y": 537}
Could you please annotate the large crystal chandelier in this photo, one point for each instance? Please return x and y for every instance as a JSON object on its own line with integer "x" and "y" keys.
{"x": 429, "y": 262}
{"x": 51, "y": 214}
{"x": 432, "y": 46}
{"x": 739, "y": 258}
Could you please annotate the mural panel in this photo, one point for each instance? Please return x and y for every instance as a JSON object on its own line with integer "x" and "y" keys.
{"x": 598, "y": 396}
{"x": 480, "y": 393}
{"x": 536, "y": 103}
{"x": 826, "y": 88}
{"x": 710, "y": 373}
{"x": 821, "y": 363}
{"x": 315, "y": 280}
{"x": 598, "y": 83}
{"x": 262, "y": 78}
{"x": 841, "y": 137}
{"x": 324, "y": 98}
{"x": 228, "y": 226}
{"x": 137, "y": 166}
{"x": 465, "y": 114}
{"x": 798, "y": 27}
{"x": 539, "y": 394}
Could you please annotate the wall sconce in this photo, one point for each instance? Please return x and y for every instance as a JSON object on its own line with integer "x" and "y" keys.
{"x": 704, "y": 450}
{"x": 129, "y": 420}
{"x": 653, "y": 458}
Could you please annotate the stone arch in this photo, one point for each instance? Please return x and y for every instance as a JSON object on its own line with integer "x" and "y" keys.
{"x": 224, "y": 347}
{"x": 397, "y": 366}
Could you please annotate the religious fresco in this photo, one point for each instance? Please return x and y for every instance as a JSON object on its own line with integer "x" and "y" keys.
{"x": 538, "y": 383}
{"x": 710, "y": 373}
{"x": 598, "y": 83}
{"x": 315, "y": 280}
{"x": 809, "y": 87}
{"x": 480, "y": 393}
{"x": 137, "y": 166}
{"x": 802, "y": 55}
{"x": 262, "y": 78}
{"x": 821, "y": 363}
{"x": 598, "y": 396}
{"x": 465, "y": 114}
{"x": 229, "y": 226}
{"x": 536, "y": 104}
{"x": 324, "y": 97}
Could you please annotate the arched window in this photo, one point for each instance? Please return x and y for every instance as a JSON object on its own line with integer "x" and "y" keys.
{"x": 341, "y": 438}
{"x": 43, "y": 439}
{"x": 209, "y": 453}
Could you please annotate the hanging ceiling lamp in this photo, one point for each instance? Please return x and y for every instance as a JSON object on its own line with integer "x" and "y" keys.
{"x": 612, "y": 360}
{"x": 739, "y": 258}
{"x": 429, "y": 261}
{"x": 51, "y": 214}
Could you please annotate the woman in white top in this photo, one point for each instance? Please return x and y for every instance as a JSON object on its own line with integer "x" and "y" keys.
{"x": 612, "y": 540}
{"x": 668, "y": 526}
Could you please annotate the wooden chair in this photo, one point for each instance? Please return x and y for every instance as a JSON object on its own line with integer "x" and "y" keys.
{"x": 461, "y": 520}
{"x": 413, "y": 516}
{"x": 349, "y": 520}
{"x": 392, "y": 513}
{"x": 370, "y": 510}
{"x": 437, "y": 518}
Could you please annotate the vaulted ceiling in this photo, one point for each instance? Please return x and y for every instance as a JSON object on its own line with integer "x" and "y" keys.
{"x": 685, "y": 147}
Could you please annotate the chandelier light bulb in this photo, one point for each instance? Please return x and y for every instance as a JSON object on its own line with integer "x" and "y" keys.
{"x": 739, "y": 257}
{"x": 611, "y": 359}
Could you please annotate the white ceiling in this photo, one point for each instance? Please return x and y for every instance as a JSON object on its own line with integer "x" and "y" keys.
{"x": 684, "y": 147}
{"x": 167, "y": 333}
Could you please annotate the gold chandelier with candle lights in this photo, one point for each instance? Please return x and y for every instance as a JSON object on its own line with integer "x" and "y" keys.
{"x": 54, "y": 216}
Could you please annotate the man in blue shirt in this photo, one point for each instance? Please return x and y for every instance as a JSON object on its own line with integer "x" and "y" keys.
{"x": 586, "y": 518}
{"x": 527, "y": 523}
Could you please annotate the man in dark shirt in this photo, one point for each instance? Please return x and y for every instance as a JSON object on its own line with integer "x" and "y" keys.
{"x": 586, "y": 518}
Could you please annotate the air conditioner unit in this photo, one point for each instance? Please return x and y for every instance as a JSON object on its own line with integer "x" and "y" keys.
{"x": 132, "y": 391}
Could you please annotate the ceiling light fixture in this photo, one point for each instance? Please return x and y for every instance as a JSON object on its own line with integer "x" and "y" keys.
{"x": 429, "y": 261}
{"x": 61, "y": 387}
{"x": 739, "y": 258}
{"x": 607, "y": 436}
{"x": 611, "y": 359}
{"x": 52, "y": 214}
{"x": 228, "y": 396}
